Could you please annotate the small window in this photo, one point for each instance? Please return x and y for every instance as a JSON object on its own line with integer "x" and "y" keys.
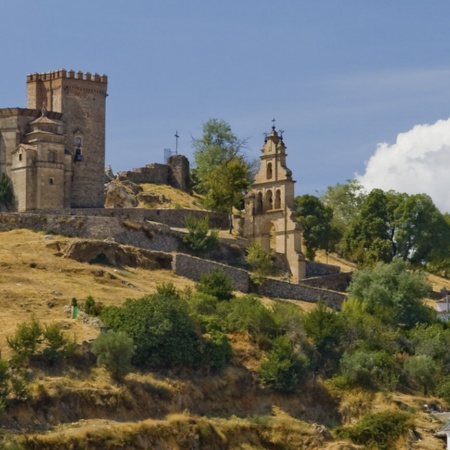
{"x": 51, "y": 181}
{"x": 51, "y": 156}
{"x": 20, "y": 156}
{"x": 269, "y": 171}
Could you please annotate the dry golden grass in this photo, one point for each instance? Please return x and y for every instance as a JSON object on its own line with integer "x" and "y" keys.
{"x": 179, "y": 199}
{"x": 33, "y": 277}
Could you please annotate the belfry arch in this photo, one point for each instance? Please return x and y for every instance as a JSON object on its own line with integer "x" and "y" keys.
{"x": 269, "y": 207}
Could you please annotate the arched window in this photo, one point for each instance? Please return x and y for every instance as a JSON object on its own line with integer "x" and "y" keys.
{"x": 269, "y": 172}
{"x": 269, "y": 200}
{"x": 259, "y": 203}
{"x": 278, "y": 199}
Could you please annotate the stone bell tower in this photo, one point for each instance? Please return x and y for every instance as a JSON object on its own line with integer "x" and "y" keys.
{"x": 269, "y": 207}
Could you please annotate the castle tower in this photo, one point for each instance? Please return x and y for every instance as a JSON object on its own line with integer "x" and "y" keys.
{"x": 269, "y": 207}
{"x": 81, "y": 98}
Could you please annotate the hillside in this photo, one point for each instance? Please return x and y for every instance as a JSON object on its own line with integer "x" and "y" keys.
{"x": 78, "y": 406}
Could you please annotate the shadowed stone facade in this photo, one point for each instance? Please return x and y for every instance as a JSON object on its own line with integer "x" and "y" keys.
{"x": 269, "y": 207}
{"x": 54, "y": 150}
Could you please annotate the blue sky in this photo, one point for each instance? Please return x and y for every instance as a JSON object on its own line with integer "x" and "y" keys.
{"x": 339, "y": 76}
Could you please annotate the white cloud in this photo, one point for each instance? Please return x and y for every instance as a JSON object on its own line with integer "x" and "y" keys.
{"x": 418, "y": 162}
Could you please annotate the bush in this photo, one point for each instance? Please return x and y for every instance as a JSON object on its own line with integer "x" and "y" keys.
{"x": 6, "y": 190}
{"x": 199, "y": 237}
{"x": 4, "y": 383}
{"x": 422, "y": 371}
{"x": 260, "y": 260}
{"x": 92, "y": 307}
{"x": 216, "y": 283}
{"x": 247, "y": 314}
{"x": 31, "y": 339}
{"x": 57, "y": 346}
{"x": 282, "y": 368}
{"x": 114, "y": 351}
{"x": 164, "y": 333}
{"x": 25, "y": 342}
{"x": 217, "y": 350}
{"x": 369, "y": 370}
{"x": 378, "y": 431}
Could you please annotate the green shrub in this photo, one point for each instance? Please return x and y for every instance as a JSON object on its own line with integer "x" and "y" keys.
{"x": 6, "y": 190}
{"x": 247, "y": 314}
{"x": 199, "y": 238}
{"x": 217, "y": 350}
{"x": 378, "y": 431}
{"x": 114, "y": 351}
{"x": 282, "y": 368}
{"x": 422, "y": 371}
{"x": 4, "y": 383}
{"x": 216, "y": 283}
{"x": 164, "y": 333}
{"x": 25, "y": 341}
{"x": 57, "y": 346}
{"x": 92, "y": 307}
{"x": 203, "y": 304}
{"x": 48, "y": 343}
{"x": 260, "y": 260}
{"x": 369, "y": 370}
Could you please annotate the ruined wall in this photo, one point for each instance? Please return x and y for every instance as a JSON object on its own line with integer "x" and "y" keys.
{"x": 175, "y": 173}
{"x": 337, "y": 282}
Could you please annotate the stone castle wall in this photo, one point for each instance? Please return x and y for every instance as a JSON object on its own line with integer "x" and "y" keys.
{"x": 175, "y": 173}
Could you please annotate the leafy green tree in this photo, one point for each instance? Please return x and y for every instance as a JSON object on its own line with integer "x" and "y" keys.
{"x": 282, "y": 368}
{"x": 216, "y": 283}
{"x": 199, "y": 237}
{"x": 326, "y": 329}
{"x": 345, "y": 200}
{"x": 422, "y": 370}
{"x": 432, "y": 340}
{"x": 6, "y": 190}
{"x": 221, "y": 171}
{"x": 393, "y": 293}
{"x": 260, "y": 260}
{"x": 226, "y": 185}
{"x": 368, "y": 241}
{"x": 316, "y": 221}
{"x": 369, "y": 369}
{"x": 114, "y": 351}
{"x": 162, "y": 329}
{"x": 217, "y": 350}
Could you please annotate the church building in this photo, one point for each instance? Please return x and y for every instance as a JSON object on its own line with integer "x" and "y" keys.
{"x": 270, "y": 217}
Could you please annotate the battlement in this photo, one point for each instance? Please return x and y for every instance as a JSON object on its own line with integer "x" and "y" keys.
{"x": 70, "y": 74}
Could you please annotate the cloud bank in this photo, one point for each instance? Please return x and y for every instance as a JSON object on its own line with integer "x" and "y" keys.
{"x": 418, "y": 162}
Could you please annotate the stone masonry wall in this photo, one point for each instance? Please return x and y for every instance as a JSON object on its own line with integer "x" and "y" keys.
{"x": 170, "y": 217}
{"x": 316, "y": 269}
{"x": 193, "y": 268}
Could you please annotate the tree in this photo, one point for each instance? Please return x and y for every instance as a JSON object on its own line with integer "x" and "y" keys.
{"x": 282, "y": 368}
{"x": 114, "y": 351}
{"x": 6, "y": 190}
{"x": 393, "y": 293}
{"x": 316, "y": 221}
{"x": 260, "y": 260}
{"x": 199, "y": 237}
{"x": 345, "y": 199}
{"x": 422, "y": 370}
{"x": 326, "y": 328}
{"x": 221, "y": 172}
{"x": 368, "y": 240}
{"x": 216, "y": 283}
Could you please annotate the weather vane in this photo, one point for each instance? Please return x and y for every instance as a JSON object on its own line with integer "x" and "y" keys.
{"x": 273, "y": 124}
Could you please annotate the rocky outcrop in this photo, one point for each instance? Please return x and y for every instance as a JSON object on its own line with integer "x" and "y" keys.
{"x": 121, "y": 194}
{"x": 107, "y": 252}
